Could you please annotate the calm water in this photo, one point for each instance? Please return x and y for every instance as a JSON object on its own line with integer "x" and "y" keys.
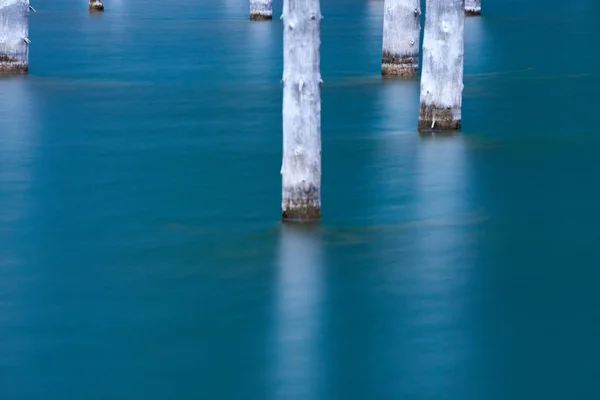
{"x": 141, "y": 254}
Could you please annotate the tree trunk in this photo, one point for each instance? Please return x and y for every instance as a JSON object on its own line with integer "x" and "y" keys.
{"x": 301, "y": 167}
{"x": 442, "y": 75}
{"x": 261, "y": 10}
{"x": 14, "y": 37}
{"x": 401, "y": 30}
{"x": 473, "y": 7}
{"x": 95, "y": 5}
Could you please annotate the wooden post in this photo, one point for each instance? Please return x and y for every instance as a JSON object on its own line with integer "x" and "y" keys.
{"x": 96, "y": 6}
{"x": 301, "y": 167}
{"x": 473, "y": 7}
{"x": 442, "y": 74}
{"x": 401, "y": 31}
{"x": 261, "y": 10}
{"x": 14, "y": 37}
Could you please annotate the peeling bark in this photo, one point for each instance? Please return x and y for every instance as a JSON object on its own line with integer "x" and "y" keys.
{"x": 261, "y": 10}
{"x": 14, "y": 37}
{"x": 472, "y": 7}
{"x": 442, "y": 75}
{"x": 301, "y": 167}
{"x": 401, "y": 30}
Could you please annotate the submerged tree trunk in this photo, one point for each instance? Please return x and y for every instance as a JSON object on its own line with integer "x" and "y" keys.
{"x": 96, "y": 5}
{"x": 473, "y": 7}
{"x": 401, "y": 30}
{"x": 14, "y": 36}
{"x": 301, "y": 167}
{"x": 261, "y": 10}
{"x": 442, "y": 75}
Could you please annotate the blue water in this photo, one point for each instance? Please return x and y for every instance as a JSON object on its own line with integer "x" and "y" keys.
{"x": 141, "y": 253}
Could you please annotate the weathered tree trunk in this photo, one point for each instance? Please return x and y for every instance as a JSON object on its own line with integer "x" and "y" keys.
{"x": 301, "y": 167}
{"x": 96, "y": 5}
{"x": 14, "y": 37}
{"x": 442, "y": 74}
{"x": 401, "y": 30}
{"x": 261, "y": 10}
{"x": 473, "y": 7}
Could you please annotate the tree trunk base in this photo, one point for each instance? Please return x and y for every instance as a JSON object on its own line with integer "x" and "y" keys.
{"x": 301, "y": 204}
{"x": 400, "y": 70}
{"x": 13, "y": 68}
{"x": 306, "y": 213}
{"x": 433, "y": 118}
{"x": 399, "y": 66}
{"x": 472, "y": 12}
{"x": 256, "y": 16}
{"x": 96, "y": 6}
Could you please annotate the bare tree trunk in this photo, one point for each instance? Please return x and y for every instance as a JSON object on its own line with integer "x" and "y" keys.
{"x": 401, "y": 30}
{"x": 301, "y": 167}
{"x": 473, "y": 7}
{"x": 95, "y": 5}
{"x": 442, "y": 74}
{"x": 261, "y": 10}
{"x": 14, "y": 37}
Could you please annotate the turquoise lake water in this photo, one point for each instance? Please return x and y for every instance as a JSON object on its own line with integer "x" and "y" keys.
{"x": 141, "y": 253}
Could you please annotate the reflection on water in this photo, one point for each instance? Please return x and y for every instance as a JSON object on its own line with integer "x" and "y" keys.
{"x": 235, "y": 8}
{"x": 476, "y": 48}
{"x": 261, "y": 49}
{"x": 439, "y": 271}
{"x": 442, "y": 179}
{"x": 425, "y": 258}
{"x": 399, "y": 105}
{"x": 18, "y": 156}
{"x": 299, "y": 313}
{"x": 17, "y": 147}
{"x": 373, "y": 24}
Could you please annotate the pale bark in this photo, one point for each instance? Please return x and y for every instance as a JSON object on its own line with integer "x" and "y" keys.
{"x": 96, "y": 5}
{"x": 261, "y": 10}
{"x": 401, "y": 30}
{"x": 14, "y": 36}
{"x": 301, "y": 167}
{"x": 442, "y": 74}
{"x": 473, "y": 7}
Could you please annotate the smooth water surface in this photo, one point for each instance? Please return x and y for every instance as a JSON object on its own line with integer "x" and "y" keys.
{"x": 141, "y": 254}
